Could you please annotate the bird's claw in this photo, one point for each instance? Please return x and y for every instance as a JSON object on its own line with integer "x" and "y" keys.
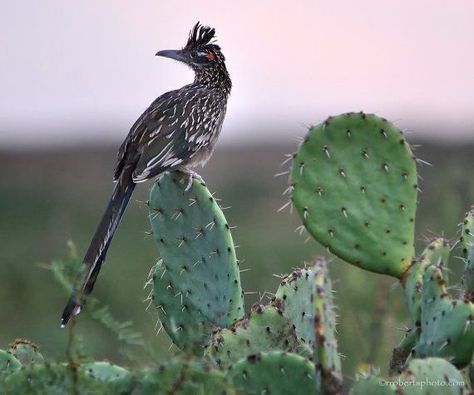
{"x": 192, "y": 175}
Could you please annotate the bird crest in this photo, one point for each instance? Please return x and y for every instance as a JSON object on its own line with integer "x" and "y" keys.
{"x": 200, "y": 36}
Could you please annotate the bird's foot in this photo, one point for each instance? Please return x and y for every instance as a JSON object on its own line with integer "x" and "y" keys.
{"x": 191, "y": 176}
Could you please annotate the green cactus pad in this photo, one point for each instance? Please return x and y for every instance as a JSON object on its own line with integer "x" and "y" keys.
{"x": 266, "y": 329}
{"x": 197, "y": 252}
{"x": 26, "y": 352}
{"x": 326, "y": 356}
{"x": 294, "y": 295}
{"x": 182, "y": 377}
{"x": 436, "y": 253}
{"x": 373, "y": 385}
{"x": 187, "y": 327}
{"x": 54, "y": 379}
{"x": 274, "y": 373}
{"x": 467, "y": 244}
{"x": 355, "y": 186}
{"x": 447, "y": 325}
{"x": 8, "y": 363}
{"x": 431, "y": 376}
{"x": 105, "y": 371}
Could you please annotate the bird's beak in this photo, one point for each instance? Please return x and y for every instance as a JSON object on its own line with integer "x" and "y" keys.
{"x": 172, "y": 54}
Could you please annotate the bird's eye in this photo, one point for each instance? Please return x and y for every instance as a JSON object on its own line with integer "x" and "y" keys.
{"x": 211, "y": 56}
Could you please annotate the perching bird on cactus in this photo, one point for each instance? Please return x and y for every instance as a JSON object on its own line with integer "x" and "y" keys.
{"x": 177, "y": 132}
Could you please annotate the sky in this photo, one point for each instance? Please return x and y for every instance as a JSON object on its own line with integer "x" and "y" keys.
{"x": 75, "y": 72}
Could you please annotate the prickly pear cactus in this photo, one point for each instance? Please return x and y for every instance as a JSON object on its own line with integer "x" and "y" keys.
{"x": 467, "y": 243}
{"x": 326, "y": 356}
{"x": 372, "y": 385}
{"x": 187, "y": 326}
{"x": 274, "y": 373}
{"x": 26, "y": 352}
{"x": 265, "y": 329}
{"x": 198, "y": 258}
{"x": 294, "y": 295}
{"x": 354, "y": 185}
{"x": 436, "y": 253}
{"x": 105, "y": 371}
{"x": 447, "y": 324}
{"x": 183, "y": 377}
{"x": 53, "y": 379}
{"x": 432, "y": 376}
{"x": 8, "y": 363}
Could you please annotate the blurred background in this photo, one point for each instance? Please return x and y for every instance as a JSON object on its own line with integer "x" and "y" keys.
{"x": 74, "y": 76}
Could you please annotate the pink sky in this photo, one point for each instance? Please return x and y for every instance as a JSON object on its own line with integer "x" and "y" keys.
{"x": 84, "y": 71}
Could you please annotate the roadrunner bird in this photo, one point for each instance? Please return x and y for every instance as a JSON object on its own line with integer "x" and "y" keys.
{"x": 177, "y": 132}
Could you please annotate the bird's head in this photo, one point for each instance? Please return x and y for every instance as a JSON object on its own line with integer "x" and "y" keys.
{"x": 200, "y": 52}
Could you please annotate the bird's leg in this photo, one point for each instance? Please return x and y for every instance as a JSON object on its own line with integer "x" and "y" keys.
{"x": 190, "y": 176}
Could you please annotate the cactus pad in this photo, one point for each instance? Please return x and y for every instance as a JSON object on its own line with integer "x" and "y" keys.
{"x": 8, "y": 363}
{"x": 467, "y": 244}
{"x": 184, "y": 323}
{"x": 432, "y": 376}
{"x": 266, "y": 329}
{"x": 53, "y": 379}
{"x": 183, "y": 377}
{"x": 372, "y": 385}
{"x": 326, "y": 357}
{"x": 274, "y": 373}
{"x": 447, "y": 325}
{"x": 354, "y": 186}
{"x": 436, "y": 253}
{"x": 197, "y": 251}
{"x": 294, "y": 295}
{"x": 105, "y": 371}
{"x": 26, "y": 352}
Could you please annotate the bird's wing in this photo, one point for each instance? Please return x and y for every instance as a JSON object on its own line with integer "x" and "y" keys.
{"x": 149, "y": 128}
{"x": 168, "y": 133}
{"x": 162, "y": 146}
{"x": 174, "y": 133}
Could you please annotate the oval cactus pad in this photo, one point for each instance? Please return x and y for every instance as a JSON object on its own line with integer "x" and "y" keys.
{"x": 196, "y": 248}
{"x": 355, "y": 187}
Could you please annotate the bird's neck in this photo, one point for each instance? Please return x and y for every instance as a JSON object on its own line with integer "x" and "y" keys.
{"x": 215, "y": 78}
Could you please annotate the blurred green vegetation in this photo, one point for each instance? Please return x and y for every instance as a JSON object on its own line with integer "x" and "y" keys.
{"x": 50, "y": 197}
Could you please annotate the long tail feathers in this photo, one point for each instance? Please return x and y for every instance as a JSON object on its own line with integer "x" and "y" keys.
{"x": 97, "y": 251}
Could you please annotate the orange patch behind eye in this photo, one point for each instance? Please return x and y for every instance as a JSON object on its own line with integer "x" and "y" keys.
{"x": 211, "y": 55}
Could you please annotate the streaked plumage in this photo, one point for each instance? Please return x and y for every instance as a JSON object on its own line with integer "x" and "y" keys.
{"x": 177, "y": 131}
